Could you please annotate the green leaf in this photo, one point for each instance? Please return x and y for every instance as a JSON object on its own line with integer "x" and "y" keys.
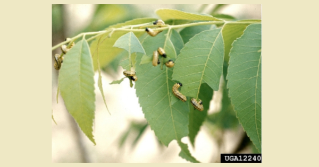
{"x": 232, "y": 31}
{"x": 76, "y": 82}
{"x": 244, "y": 81}
{"x": 117, "y": 81}
{"x": 185, "y": 153}
{"x": 124, "y": 137}
{"x": 146, "y": 59}
{"x": 200, "y": 61}
{"x": 196, "y": 118}
{"x": 246, "y": 20}
{"x": 169, "y": 50}
{"x": 226, "y": 117}
{"x": 188, "y": 32}
{"x": 140, "y": 130}
{"x": 153, "y": 89}
{"x": 134, "y": 22}
{"x": 167, "y": 14}
{"x": 172, "y": 46}
{"x": 107, "y": 14}
{"x": 177, "y": 21}
{"x": 106, "y": 50}
{"x": 115, "y": 63}
{"x": 131, "y": 83}
{"x": 130, "y": 43}
{"x": 254, "y": 149}
{"x": 57, "y": 18}
{"x": 125, "y": 63}
{"x": 177, "y": 41}
{"x": 100, "y": 80}
{"x": 224, "y": 16}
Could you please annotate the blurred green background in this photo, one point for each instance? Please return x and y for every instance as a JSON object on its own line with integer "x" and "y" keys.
{"x": 125, "y": 136}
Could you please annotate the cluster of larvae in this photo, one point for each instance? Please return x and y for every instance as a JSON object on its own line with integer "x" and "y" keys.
{"x": 159, "y": 51}
{"x": 198, "y": 105}
{"x": 59, "y": 57}
{"x": 156, "y": 60}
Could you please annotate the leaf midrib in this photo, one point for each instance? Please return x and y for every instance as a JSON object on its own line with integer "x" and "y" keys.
{"x": 169, "y": 103}
{"x": 256, "y": 100}
{"x": 201, "y": 79}
{"x": 80, "y": 64}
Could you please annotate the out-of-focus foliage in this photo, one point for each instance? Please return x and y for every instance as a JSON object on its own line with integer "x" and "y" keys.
{"x": 109, "y": 14}
{"x": 106, "y": 15}
{"x": 201, "y": 55}
{"x": 196, "y": 118}
{"x": 57, "y": 20}
{"x": 107, "y": 53}
{"x": 167, "y": 14}
{"x": 226, "y": 117}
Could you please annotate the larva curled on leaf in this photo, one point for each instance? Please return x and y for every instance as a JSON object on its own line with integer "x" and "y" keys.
{"x": 133, "y": 78}
{"x": 198, "y": 105}
{"x": 159, "y": 23}
{"x": 155, "y": 61}
{"x": 69, "y": 39}
{"x": 151, "y": 32}
{"x": 64, "y": 49}
{"x": 72, "y": 45}
{"x": 58, "y": 61}
{"x": 161, "y": 51}
{"x": 178, "y": 94}
{"x": 129, "y": 73}
{"x": 170, "y": 63}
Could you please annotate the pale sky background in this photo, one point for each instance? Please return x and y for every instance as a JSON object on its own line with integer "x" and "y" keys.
{"x": 124, "y": 107}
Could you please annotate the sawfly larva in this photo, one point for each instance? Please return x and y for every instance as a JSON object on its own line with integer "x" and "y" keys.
{"x": 169, "y": 63}
{"x": 129, "y": 73}
{"x": 197, "y": 105}
{"x": 58, "y": 61}
{"x": 151, "y": 32}
{"x": 134, "y": 78}
{"x": 64, "y": 49}
{"x": 178, "y": 94}
{"x": 155, "y": 61}
{"x": 161, "y": 52}
{"x": 159, "y": 23}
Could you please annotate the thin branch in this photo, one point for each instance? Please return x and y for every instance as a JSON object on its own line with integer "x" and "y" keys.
{"x": 129, "y": 29}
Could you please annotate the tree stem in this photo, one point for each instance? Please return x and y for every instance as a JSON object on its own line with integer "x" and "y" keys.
{"x": 76, "y": 37}
{"x": 129, "y": 29}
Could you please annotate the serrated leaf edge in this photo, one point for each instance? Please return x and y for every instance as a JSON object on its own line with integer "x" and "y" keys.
{"x": 207, "y": 56}
{"x": 255, "y": 91}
